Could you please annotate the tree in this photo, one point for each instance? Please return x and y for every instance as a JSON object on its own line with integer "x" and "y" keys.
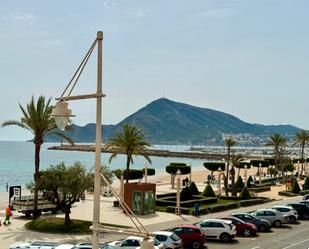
{"x": 229, "y": 143}
{"x": 173, "y": 168}
{"x": 208, "y": 191}
{"x": 186, "y": 194}
{"x": 133, "y": 174}
{"x": 295, "y": 188}
{"x": 131, "y": 141}
{"x": 278, "y": 142}
{"x": 306, "y": 184}
{"x": 302, "y": 138}
{"x": 250, "y": 182}
{"x": 36, "y": 119}
{"x": 214, "y": 166}
{"x": 65, "y": 185}
{"x": 239, "y": 183}
{"x": 236, "y": 160}
{"x": 193, "y": 188}
{"x": 244, "y": 194}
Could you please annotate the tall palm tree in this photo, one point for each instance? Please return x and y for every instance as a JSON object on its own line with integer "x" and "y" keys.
{"x": 229, "y": 143}
{"x": 302, "y": 138}
{"x": 130, "y": 141}
{"x": 278, "y": 142}
{"x": 36, "y": 119}
{"x": 235, "y": 159}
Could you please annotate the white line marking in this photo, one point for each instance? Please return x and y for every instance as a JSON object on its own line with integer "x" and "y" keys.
{"x": 256, "y": 247}
{"x": 295, "y": 244}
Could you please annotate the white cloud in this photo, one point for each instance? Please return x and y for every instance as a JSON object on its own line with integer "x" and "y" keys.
{"x": 211, "y": 14}
{"x": 27, "y": 17}
{"x": 54, "y": 43}
{"x": 140, "y": 13}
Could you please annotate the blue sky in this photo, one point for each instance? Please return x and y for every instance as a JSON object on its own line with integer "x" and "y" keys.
{"x": 248, "y": 58}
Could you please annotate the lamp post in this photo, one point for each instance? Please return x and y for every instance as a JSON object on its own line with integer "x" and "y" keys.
{"x": 178, "y": 211}
{"x": 61, "y": 113}
{"x": 146, "y": 172}
{"x": 260, "y": 173}
{"x": 219, "y": 182}
{"x": 190, "y": 175}
{"x": 298, "y": 173}
{"x": 246, "y": 176}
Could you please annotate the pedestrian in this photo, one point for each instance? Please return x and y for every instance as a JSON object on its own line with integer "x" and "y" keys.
{"x": 196, "y": 209}
{"x": 187, "y": 181}
{"x": 8, "y": 214}
{"x": 209, "y": 178}
{"x": 7, "y": 187}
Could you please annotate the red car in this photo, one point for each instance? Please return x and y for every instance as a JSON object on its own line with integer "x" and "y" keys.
{"x": 191, "y": 236}
{"x": 242, "y": 228}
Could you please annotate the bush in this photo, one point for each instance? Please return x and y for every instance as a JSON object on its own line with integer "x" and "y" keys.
{"x": 249, "y": 184}
{"x": 214, "y": 166}
{"x": 222, "y": 207}
{"x": 295, "y": 188}
{"x": 306, "y": 184}
{"x": 304, "y": 192}
{"x": 287, "y": 193}
{"x": 133, "y": 174}
{"x": 208, "y": 191}
{"x": 185, "y": 194}
{"x": 250, "y": 202}
{"x": 150, "y": 171}
{"x": 172, "y": 168}
{"x": 193, "y": 188}
{"x": 244, "y": 194}
{"x": 239, "y": 183}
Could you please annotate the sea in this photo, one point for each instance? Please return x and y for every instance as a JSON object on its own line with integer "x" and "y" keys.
{"x": 17, "y": 161}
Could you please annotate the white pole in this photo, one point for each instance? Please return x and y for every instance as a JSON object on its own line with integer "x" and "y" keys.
{"x": 190, "y": 175}
{"x": 219, "y": 182}
{"x": 246, "y": 176}
{"x": 260, "y": 173}
{"x": 121, "y": 186}
{"x": 97, "y": 187}
{"x": 177, "y": 211}
{"x": 146, "y": 172}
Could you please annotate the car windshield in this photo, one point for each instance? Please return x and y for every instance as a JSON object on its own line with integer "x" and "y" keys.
{"x": 175, "y": 237}
{"x": 156, "y": 242}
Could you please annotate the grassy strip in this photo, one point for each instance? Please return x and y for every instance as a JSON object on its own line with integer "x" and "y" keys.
{"x": 56, "y": 225}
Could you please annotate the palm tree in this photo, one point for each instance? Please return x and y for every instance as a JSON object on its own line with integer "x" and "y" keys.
{"x": 279, "y": 142}
{"x": 302, "y": 138}
{"x": 36, "y": 119}
{"x": 131, "y": 141}
{"x": 229, "y": 143}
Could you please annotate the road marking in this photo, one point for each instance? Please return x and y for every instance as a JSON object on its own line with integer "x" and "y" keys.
{"x": 295, "y": 244}
{"x": 256, "y": 247}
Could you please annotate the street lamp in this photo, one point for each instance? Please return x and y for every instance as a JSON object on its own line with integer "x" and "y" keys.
{"x": 219, "y": 182}
{"x": 246, "y": 176}
{"x": 61, "y": 113}
{"x": 260, "y": 173}
{"x": 178, "y": 211}
{"x": 298, "y": 173}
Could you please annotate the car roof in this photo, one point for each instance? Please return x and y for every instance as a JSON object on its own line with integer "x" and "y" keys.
{"x": 188, "y": 225}
{"x": 264, "y": 209}
{"x": 241, "y": 213}
{"x": 134, "y": 237}
{"x": 217, "y": 220}
{"x": 167, "y": 233}
{"x": 282, "y": 206}
{"x": 232, "y": 217}
{"x": 65, "y": 246}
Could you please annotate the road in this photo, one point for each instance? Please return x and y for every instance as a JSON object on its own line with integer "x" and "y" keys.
{"x": 294, "y": 236}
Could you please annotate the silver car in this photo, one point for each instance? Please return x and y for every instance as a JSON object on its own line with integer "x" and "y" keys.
{"x": 34, "y": 245}
{"x": 169, "y": 239}
{"x": 289, "y": 211}
{"x": 275, "y": 217}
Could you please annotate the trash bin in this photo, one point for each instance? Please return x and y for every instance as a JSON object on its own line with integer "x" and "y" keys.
{"x": 196, "y": 209}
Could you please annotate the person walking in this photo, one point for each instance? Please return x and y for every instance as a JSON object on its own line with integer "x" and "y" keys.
{"x": 8, "y": 214}
{"x": 7, "y": 187}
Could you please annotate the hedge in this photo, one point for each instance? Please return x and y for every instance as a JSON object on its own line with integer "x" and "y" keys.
{"x": 287, "y": 193}
{"x": 214, "y": 166}
{"x": 220, "y": 207}
{"x": 256, "y": 163}
{"x": 250, "y": 202}
{"x": 260, "y": 189}
{"x": 190, "y": 203}
{"x": 134, "y": 174}
{"x": 193, "y": 188}
{"x": 150, "y": 171}
{"x": 172, "y": 168}
{"x": 295, "y": 188}
{"x": 304, "y": 192}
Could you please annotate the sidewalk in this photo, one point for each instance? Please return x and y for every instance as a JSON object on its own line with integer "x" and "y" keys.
{"x": 109, "y": 214}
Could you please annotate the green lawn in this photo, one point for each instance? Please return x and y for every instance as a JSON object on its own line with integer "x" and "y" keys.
{"x": 219, "y": 202}
{"x": 56, "y": 225}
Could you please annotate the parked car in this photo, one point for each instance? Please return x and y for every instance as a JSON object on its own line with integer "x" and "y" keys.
{"x": 306, "y": 197}
{"x": 306, "y": 202}
{"x": 288, "y": 210}
{"x": 169, "y": 239}
{"x": 242, "y": 228}
{"x": 220, "y": 229}
{"x": 301, "y": 209}
{"x": 261, "y": 224}
{"x": 34, "y": 245}
{"x": 133, "y": 242}
{"x": 65, "y": 246}
{"x": 191, "y": 236}
{"x": 275, "y": 217}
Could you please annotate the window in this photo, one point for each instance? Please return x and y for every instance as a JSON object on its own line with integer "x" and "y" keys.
{"x": 261, "y": 213}
{"x": 175, "y": 237}
{"x": 270, "y": 213}
{"x": 177, "y": 230}
{"x": 217, "y": 225}
{"x": 188, "y": 230}
{"x": 161, "y": 237}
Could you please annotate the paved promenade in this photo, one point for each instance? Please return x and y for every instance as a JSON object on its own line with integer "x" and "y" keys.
{"x": 83, "y": 210}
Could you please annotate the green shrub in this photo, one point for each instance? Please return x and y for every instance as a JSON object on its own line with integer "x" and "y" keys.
{"x": 172, "y": 168}
{"x": 214, "y": 166}
{"x": 304, "y": 192}
{"x": 306, "y": 184}
{"x": 250, "y": 202}
{"x": 244, "y": 194}
{"x": 150, "y": 171}
{"x": 239, "y": 183}
{"x": 208, "y": 191}
{"x": 287, "y": 193}
{"x": 295, "y": 188}
{"x": 133, "y": 173}
{"x": 185, "y": 194}
{"x": 249, "y": 184}
{"x": 193, "y": 188}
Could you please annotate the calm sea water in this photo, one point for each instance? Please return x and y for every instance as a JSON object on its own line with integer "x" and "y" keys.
{"x": 17, "y": 161}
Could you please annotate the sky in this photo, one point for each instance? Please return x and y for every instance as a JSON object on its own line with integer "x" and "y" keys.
{"x": 248, "y": 58}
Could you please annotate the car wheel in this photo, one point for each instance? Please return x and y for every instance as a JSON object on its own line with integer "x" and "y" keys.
{"x": 224, "y": 237}
{"x": 292, "y": 219}
{"x": 262, "y": 228}
{"x": 277, "y": 223}
{"x": 196, "y": 245}
{"x": 247, "y": 232}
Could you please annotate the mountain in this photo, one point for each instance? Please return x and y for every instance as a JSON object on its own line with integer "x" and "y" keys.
{"x": 168, "y": 122}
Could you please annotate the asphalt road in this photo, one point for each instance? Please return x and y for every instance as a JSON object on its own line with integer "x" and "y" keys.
{"x": 292, "y": 236}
